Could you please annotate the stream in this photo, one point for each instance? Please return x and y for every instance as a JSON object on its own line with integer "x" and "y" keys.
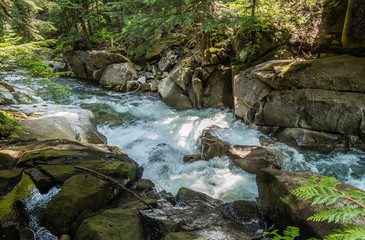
{"x": 157, "y": 137}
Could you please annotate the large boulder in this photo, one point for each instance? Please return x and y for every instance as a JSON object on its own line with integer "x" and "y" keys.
{"x": 253, "y": 158}
{"x": 173, "y": 95}
{"x": 79, "y": 195}
{"x": 343, "y": 73}
{"x": 314, "y": 109}
{"x": 117, "y": 75}
{"x": 322, "y": 97}
{"x": 8, "y": 180}
{"x": 84, "y": 63}
{"x": 196, "y": 216}
{"x": 50, "y": 121}
{"x": 218, "y": 90}
{"x": 112, "y": 224}
{"x": 279, "y": 204}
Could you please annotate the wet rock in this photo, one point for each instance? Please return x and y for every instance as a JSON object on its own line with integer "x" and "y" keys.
{"x": 143, "y": 184}
{"x": 253, "y": 158}
{"x": 14, "y": 231}
{"x": 211, "y": 146}
{"x": 117, "y": 75}
{"x": 313, "y": 140}
{"x": 56, "y": 158}
{"x": 112, "y": 224}
{"x": 17, "y": 95}
{"x": 67, "y": 122}
{"x": 192, "y": 158}
{"x": 281, "y": 206}
{"x": 181, "y": 236}
{"x": 8, "y": 180}
{"x": 195, "y": 216}
{"x": 79, "y": 195}
{"x": 42, "y": 181}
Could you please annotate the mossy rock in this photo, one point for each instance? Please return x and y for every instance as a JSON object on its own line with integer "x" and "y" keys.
{"x": 79, "y": 194}
{"x": 134, "y": 205}
{"x": 112, "y": 224}
{"x": 46, "y": 154}
{"x": 116, "y": 169}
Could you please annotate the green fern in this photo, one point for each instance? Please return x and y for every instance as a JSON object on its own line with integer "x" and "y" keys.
{"x": 323, "y": 191}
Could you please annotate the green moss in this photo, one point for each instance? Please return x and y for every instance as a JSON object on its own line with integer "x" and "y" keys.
{"x": 114, "y": 223}
{"x": 46, "y": 154}
{"x": 134, "y": 205}
{"x": 7, "y": 205}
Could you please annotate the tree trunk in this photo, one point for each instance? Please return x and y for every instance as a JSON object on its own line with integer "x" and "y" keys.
{"x": 86, "y": 35}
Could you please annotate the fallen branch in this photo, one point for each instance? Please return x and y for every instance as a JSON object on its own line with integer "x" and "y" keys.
{"x": 115, "y": 182}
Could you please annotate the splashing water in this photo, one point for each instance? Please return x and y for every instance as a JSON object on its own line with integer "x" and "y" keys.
{"x": 157, "y": 137}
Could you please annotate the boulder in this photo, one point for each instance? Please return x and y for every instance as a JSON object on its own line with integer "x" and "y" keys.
{"x": 132, "y": 86}
{"x": 339, "y": 73}
{"x": 84, "y": 63}
{"x": 314, "y": 109}
{"x": 197, "y": 215}
{"x": 192, "y": 158}
{"x": 173, "y": 95}
{"x": 56, "y": 158}
{"x": 253, "y": 158}
{"x": 58, "y": 66}
{"x": 97, "y": 74}
{"x": 79, "y": 195}
{"x": 278, "y": 203}
{"x": 211, "y": 146}
{"x": 307, "y": 139}
{"x": 117, "y": 75}
{"x": 112, "y": 224}
{"x": 218, "y": 92}
{"x": 164, "y": 64}
{"x": 144, "y": 87}
{"x": 325, "y": 95}
{"x": 17, "y": 95}
{"x": 67, "y": 122}
{"x": 8, "y": 180}
{"x": 181, "y": 74}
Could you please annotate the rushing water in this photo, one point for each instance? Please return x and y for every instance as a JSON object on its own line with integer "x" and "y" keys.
{"x": 157, "y": 137}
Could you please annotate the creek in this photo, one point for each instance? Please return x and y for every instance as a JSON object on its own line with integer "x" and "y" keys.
{"x": 157, "y": 137}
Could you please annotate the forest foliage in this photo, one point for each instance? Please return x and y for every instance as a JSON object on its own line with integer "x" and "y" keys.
{"x": 133, "y": 25}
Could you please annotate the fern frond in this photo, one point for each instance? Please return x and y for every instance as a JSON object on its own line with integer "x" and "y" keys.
{"x": 350, "y": 233}
{"x": 340, "y": 214}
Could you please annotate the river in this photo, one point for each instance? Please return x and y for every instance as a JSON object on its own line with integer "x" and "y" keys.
{"x": 157, "y": 137}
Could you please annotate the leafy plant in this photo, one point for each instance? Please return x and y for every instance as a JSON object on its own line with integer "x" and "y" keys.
{"x": 324, "y": 191}
{"x": 8, "y": 124}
